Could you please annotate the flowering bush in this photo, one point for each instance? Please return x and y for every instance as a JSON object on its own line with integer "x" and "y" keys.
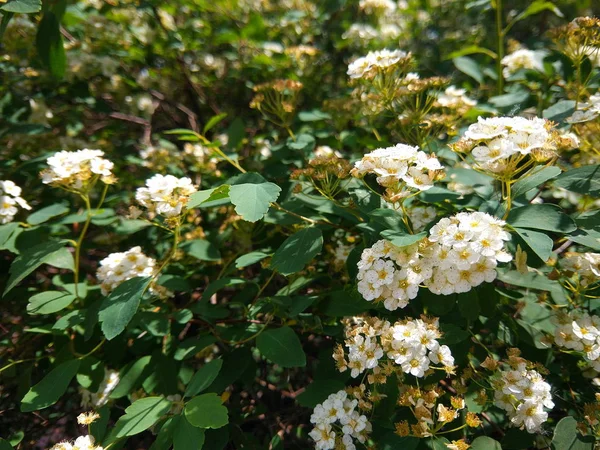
{"x": 300, "y": 224}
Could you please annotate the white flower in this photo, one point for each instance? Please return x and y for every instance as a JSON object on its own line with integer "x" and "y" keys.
{"x": 74, "y": 170}
{"x": 119, "y": 267}
{"x": 100, "y": 398}
{"x": 165, "y": 194}
{"x": 365, "y": 66}
{"x": 455, "y": 98}
{"x": 522, "y": 59}
{"x": 10, "y": 201}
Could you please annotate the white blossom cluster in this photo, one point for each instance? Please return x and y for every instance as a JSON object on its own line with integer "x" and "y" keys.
{"x": 580, "y": 332}
{"x": 74, "y": 170}
{"x": 494, "y": 140}
{"x": 122, "y": 266}
{"x": 367, "y": 66}
{"x": 522, "y": 59}
{"x": 100, "y": 398}
{"x": 523, "y": 394}
{"x": 411, "y": 344}
{"x": 81, "y": 443}
{"x": 460, "y": 253}
{"x": 586, "y": 111}
{"x": 377, "y": 6}
{"x": 341, "y": 253}
{"x": 455, "y": 98}
{"x": 420, "y": 216}
{"x": 337, "y": 423}
{"x": 165, "y": 194}
{"x": 10, "y": 201}
{"x": 400, "y": 164}
{"x": 585, "y": 265}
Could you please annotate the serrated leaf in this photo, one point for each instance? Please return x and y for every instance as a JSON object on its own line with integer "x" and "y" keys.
{"x": 206, "y": 411}
{"x": 282, "y": 346}
{"x": 141, "y": 415}
{"x": 208, "y": 195}
{"x": 49, "y": 302}
{"x": 297, "y": 250}
{"x": 51, "y": 387}
{"x": 203, "y": 378}
{"x": 120, "y": 306}
{"x": 252, "y": 201}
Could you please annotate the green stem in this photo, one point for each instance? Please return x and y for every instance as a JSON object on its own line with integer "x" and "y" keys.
{"x": 176, "y": 237}
{"x": 500, "y": 45}
{"x": 78, "y": 244}
{"x": 508, "y": 199}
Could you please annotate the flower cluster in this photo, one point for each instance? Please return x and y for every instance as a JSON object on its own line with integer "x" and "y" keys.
{"x": 81, "y": 443}
{"x": 366, "y": 67}
{"x": 521, "y": 59}
{"x": 75, "y": 171}
{"x": 400, "y": 166}
{"x": 100, "y": 398}
{"x": 499, "y": 145}
{"x": 420, "y": 216}
{"x": 338, "y": 413}
{"x": 377, "y": 6}
{"x": 585, "y": 265}
{"x": 455, "y": 98}
{"x": 122, "y": 266}
{"x": 10, "y": 198}
{"x": 411, "y": 344}
{"x": 523, "y": 394}
{"x": 580, "y": 332}
{"x": 586, "y": 111}
{"x": 460, "y": 253}
{"x": 165, "y": 195}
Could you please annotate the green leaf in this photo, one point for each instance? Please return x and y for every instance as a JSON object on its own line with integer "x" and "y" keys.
{"x": 589, "y": 238}
{"x": 208, "y": 195}
{"x": 540, "y": 243}
{"x": 6, "y": 16}
{"x": 313, "y": 116}
{"x": 485, "y": 443}
{"x": 141, "y": 415}
{"x": 49, "y": 302}
{"x": 6, "y": 232}
{"x": 206, "y": 411}
{"x": 252, "y": 201}
{"x": 213, "y": 121}
{"x": 204, "y": 377}
{"x": 560, "y": 110}
{"x": 4, "y": 445}
{"x": 469, "y": 67}
{"x": 282, "y": 346}
{"x": 566, "y": 436}
{"x": 47, "y": 213}
{"x": 31, "y": 259}
{"x": 400, "y": 239}
{"x": 541, "y": 217}
{"x": 536, "y": 7}
{"x": 119, "y": 307}
{"x": 512, "y": 99}
{"x": 202, "y": 250}
{"x": 249, "y": 258}
{"x": 51, "y": 387}
{"x": 192, "y": 346}
{"x": 129, "y": 377}
{"x": 471, "y": 49}
{"x": 186, "y": 436}
{"x": 22, "y": 6}
{"x": 468, "y": 304}
{"x": 297, "y": 250}
{"x": 583, "y": 180}
{"x": 50, "y": 46}
{"x": 537, "y": 176}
